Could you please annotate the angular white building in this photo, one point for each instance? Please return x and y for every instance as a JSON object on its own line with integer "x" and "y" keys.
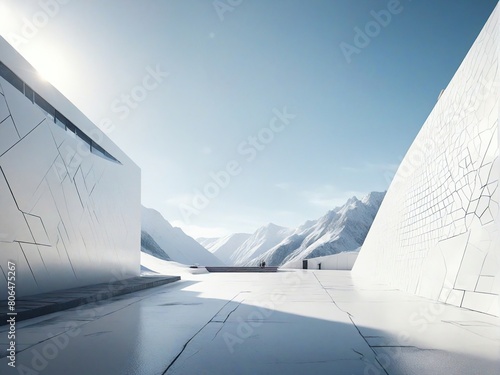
{"x": 437, "y": 233}
{"x": 69, "y": 197}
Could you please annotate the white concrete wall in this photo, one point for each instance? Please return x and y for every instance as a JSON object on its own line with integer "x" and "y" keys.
{"x": 341, "y": 261}
{"x": 437, "y": 231}
{"x": 68, "y": 217}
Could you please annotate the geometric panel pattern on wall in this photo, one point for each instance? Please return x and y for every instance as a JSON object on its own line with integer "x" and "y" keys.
{"x": 437, "y": 233}
{"x": 70, "y": 213}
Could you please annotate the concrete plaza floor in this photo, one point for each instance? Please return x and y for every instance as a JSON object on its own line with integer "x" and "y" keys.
{"x": 289, "y": 322}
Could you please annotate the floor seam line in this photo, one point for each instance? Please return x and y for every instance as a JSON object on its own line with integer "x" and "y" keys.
{"x": 352, "y": 321}
{"x": 197, "y": 332}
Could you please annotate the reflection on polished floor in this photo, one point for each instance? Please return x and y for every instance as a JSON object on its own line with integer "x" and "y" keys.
{"x": 289, "y": 322}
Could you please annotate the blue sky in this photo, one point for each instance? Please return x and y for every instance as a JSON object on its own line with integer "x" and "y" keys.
{"x": 259, "y": 93}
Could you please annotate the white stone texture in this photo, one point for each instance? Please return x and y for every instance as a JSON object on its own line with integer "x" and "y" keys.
{"x": 68, "y": 217}
{"x": 437, "y": 233}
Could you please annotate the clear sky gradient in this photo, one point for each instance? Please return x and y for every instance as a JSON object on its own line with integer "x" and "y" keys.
{"x": 193, "y": 88}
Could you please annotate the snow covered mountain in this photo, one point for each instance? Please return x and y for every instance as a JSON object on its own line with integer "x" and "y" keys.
{"x": 207, "y": 242}
{"x": 224, "y": 247}
{"x": 159, "y": 236}
{"x": 149, "y": 246}
{"x": 341, "y": 229}
{"x": 262, "y": 240}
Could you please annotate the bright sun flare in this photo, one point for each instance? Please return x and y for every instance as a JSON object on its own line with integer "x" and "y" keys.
{"x": 50, "y": 68}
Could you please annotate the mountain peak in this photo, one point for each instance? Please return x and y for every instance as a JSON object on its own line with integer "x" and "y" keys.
{"x": 374, "y": 198}
{"x": 342, "y": 229}
{"x": 352, "y": 200}
{"x": 270, "y": 227}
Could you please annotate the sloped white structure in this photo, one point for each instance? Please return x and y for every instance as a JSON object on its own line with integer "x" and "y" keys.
{"x": 437, "y": 233}
{"x": 69, "y": 198}
{"x": 342, "y": 261}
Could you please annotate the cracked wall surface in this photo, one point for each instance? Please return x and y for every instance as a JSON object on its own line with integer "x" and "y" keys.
{"x": 68, "y": 217}
{"x": 437, "y": 233}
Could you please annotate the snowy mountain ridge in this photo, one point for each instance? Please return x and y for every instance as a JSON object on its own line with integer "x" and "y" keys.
{"x": 342, "y": 229}
{"x": 258, "y": 243}
{"x": 159, "y": 236}
{"x": 224, "y": 247}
